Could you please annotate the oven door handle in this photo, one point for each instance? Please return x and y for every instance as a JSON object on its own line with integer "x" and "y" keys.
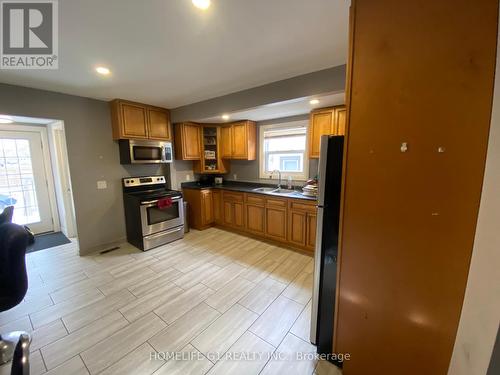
{"x": 146, "y": 203}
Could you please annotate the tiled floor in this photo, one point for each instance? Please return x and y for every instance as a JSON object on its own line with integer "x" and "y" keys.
{"x": 225, "y": 303}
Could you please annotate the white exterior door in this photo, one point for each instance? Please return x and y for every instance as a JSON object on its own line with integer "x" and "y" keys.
{"x": 23, "y": 180}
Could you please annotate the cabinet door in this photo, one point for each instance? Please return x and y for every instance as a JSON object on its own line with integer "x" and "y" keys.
{"x": 310, "y": 231}
{"x": 217, "y": 209}
{"x": 207, "y": 207}
{"x": 191, "y": 142}
{"x": 340, "y": 119}
{"x": 228, "y": 213}
{"x": 255, "y": 219}
{"x": 239, "y": 142}
{"x": 297, "y": 227}
{"x": 276, "y": 223}
{"x": 239, "y": 215}
{"x": 320, "y": 123}
{"x": 226, "y": 142}
{"x": 134, "y": 121}
{"x": 159, "y": 125}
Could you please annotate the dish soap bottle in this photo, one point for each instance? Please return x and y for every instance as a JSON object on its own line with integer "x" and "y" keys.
{"x": 289, "y": 185}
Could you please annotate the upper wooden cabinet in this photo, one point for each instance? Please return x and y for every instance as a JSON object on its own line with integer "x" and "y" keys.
{"x": 238, "y": 141}
{"x": 187, "y": 143}
{"x": 325, "y": 121}
{"x": 132, "y": 120}
{"x": 226, "y": 142}
{"x": 211, "y": 161}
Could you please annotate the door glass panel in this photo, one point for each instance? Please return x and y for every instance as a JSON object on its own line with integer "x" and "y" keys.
{"x": 17, "y": 187}
{"x": 156, "y": 215}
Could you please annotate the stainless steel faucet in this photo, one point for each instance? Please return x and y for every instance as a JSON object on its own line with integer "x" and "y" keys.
{"x": 279, "y": 177}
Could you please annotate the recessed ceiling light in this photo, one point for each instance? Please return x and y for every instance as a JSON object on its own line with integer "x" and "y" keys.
{"x": 314, "y": 101}
{"x": 225, "y": 117}
{"x": 202, "y": 4}
{"x": 6, "y": 120}
{"x": 102, "y": 70}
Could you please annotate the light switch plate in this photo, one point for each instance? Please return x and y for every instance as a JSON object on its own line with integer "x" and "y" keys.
{"x": 102, "y": 184}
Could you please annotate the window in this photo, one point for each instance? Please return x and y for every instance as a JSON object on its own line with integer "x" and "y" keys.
{"x": 283, "y": 148}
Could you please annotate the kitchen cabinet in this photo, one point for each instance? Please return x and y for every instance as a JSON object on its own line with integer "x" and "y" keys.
{"x": 276, "y": 219}
{"x": 233, "y": 210}
{"x": 239, "y": 141}
{"x": 302, "y": 223}
{"x": 201, "y": 208}
{"x": 187, "y": 143}
{"x": 311, "y": 222}
{"x": 325, "y": 121}
{"x": 132, "y": 120}
{"x": 289, "y": 221}
{"x": 255, "y": 214}
{"x": 211, "y": 161}
{"x": 217, "y": 206}
{"x": 226, "y": 142}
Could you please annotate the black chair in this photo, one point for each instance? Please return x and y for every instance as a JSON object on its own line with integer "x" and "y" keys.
{"x": 14, "y": 346}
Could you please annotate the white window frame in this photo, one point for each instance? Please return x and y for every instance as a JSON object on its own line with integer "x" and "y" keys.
{"x": 296, "y": 176}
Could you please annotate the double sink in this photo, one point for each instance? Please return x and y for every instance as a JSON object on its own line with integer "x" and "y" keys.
{"x": 277, "y": 191}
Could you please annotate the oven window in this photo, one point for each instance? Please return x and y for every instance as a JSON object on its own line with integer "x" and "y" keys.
{"x": 155, "y": 215}
{"x": 147, "y": 153}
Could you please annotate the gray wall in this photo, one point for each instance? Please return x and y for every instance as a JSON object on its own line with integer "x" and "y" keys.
{"x": 322, "y": 81}
{"x": 92, "y": 156}
{"x": 249, "y": 170}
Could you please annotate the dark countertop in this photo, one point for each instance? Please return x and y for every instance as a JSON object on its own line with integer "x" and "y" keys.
{"x": 245, "y": 187}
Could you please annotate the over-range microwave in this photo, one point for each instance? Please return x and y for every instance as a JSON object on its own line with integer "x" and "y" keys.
{"x": 145, "y": 152}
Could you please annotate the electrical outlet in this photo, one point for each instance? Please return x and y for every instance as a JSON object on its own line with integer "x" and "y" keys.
{"x": 235, "y": 176}
{"x": 188, "y": 177}
{"x": 102, "y": 184}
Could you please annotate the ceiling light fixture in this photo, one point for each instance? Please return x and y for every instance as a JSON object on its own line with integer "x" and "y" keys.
{"x": 6, "y": 120}
{"x": 225, "y": 117}
{"x": 314, "y": 101}
{"x": 201, "y": 4}
{"x": 102, "y": 70}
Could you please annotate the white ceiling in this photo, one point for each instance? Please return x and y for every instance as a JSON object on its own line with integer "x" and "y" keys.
{"x": 286, "y": 108}
{"x": 169, "y": 53}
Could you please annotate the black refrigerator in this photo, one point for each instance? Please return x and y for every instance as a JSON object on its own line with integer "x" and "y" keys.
{"x": 327, "y": 235}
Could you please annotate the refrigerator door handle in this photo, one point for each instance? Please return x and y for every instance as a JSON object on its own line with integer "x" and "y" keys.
{"x": 316, "y": 276}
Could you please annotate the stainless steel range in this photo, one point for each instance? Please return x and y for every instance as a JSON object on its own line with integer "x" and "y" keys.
{"x": 154, "y": 214}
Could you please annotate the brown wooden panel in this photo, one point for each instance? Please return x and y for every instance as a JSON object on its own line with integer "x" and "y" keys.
{"x": 311, "y": 222}
{"x": 207, "y": 207}
{"x": 239, "y": 215}
{"x": 228, "y": 213}
{"x": 321, "y": 122}
{"x": 226, "y": 142}
{"x": 276, "y": 223}
{"x": 233, "y": 196}
{"x": 134, "y": 121}
{"x": 217, "y": 202}
{"x": 421, "y": 73}
{"x": 159, "y": 124}
{"x": 255, "y": 219}
{"x": 340, "y": 119}
{"x": 296, "y": 204}
{"x": 255, "y": 199}
{"x": 297, "y": 227}
{"x": 239, "y": 141}
{"x": 276, "y": 202}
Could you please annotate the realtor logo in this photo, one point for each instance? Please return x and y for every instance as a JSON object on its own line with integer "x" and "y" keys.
{"x": 29, "y": 37}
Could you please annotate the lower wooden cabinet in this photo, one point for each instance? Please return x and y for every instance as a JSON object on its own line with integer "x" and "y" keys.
{"x": 302, "y": 224}
{"x": 233, "y": 210}
{"x": 287, "y": 220}
{"x": 201, "y": 211}
{"x": 311, "y": 219}
{"x": 217, "y": 204}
